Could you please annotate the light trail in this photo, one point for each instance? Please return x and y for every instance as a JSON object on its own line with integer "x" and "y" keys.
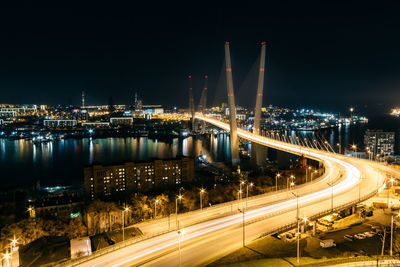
{"x": 347, "y": 178}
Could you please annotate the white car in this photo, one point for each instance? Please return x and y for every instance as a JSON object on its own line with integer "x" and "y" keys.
{"x": 360, "y": 236}
{"x": 368, "y": 234}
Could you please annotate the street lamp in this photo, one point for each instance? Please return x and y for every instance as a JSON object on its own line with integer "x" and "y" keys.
{"x": 176, "y": 209}
{"x": 6, "y": 257}
{"x": 314, "y": 172}
{"x": 298, "y": 226}
{"x": 339, "y": 148}
{"x": 331, "y": 185}
{"x": 180, "y": 234}
{"x": 239, "y": 193}
{"x": 354, "y": 147}
{"x": 247, "y": 191}
{"x": 276, "y": 181}
{"x": 243, "y": 231}
{"x": 12, "y": 246}
{"x": 155, "y": 208}
{"x": 123, "y": 222}
{"x": 308, "y": 169}
{"x": 391, "y": 235}
{"x": 241, "y": 183}
{"x": 201, "y": 198}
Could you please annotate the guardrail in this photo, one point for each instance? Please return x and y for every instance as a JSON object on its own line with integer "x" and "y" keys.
{"x": 292, "y": 225}
{"x": 395, "y": 262}
{"x": 280, "y": 229}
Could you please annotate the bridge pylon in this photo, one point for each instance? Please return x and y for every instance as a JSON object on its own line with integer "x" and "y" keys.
{"x": 260, "y": 89}
{"x": 232, "y": 108}
{"x": 203, "y": 102}
{"x": 191, "y": 104}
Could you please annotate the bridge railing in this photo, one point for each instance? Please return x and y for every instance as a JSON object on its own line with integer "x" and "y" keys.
{"x": 314, "y": 217}
{"x": 280, "y": 229}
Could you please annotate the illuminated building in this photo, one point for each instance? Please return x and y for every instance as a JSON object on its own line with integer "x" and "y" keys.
{"x": 107, "y": 180}
{"x": 59, "y": 123}
{"x": 379, "y": 142}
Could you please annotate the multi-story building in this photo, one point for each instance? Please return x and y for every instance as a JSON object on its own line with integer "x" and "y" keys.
{"x": 107, "y": 180}
{"x": 379, "y": 143}
{"x": 59, "y": 123}
{"x": 128, "y": 121}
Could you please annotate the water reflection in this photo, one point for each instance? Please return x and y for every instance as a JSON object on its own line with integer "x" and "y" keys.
{"x": 62, "y": 162}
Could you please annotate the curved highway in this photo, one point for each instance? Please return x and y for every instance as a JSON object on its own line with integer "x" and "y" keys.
{"x": 212, "y": 233}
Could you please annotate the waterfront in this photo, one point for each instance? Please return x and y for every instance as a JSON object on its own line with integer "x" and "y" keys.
{"x": 61, "y": 162}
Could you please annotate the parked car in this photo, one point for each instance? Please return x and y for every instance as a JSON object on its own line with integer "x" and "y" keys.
{"x": 349, "y": 237}
{"x": 327, "y": 243}
{"x": 360, "y": 236}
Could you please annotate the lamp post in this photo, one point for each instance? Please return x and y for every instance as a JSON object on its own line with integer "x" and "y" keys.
{"x": 241, "y": 183}
{"x": 7, "y": 258}
{"x": 391, "y": 234}
{"x": 12, "y": 246}
{"x": 180, "y": 234}
{"x": 308, "y": 169}
{"x": 155, "y": 208}
{"x": 123, "y": 223}
{"x": 247, "y": 191}
{"x": 201, "y": 198}
{"x": 339, "y": 148}
{"x": 243, "y": 231}
{"x": 176, "y": 210}
{"x": 354, "y": 147}
{"x": 298, "y": 228}
{"x": 331, "y": 185}
{"x": 392, "y": 180}
{"x": 276, "y": 181}
{"x": 314, "y": 172}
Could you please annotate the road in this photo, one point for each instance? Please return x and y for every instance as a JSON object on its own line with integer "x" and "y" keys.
{"x": 210, "y": 234}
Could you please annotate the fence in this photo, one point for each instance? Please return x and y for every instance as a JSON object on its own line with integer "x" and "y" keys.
{"x": 358, "y": 261}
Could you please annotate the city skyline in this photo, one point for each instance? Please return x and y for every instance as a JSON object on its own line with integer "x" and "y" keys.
{"x": 315, "y": 55}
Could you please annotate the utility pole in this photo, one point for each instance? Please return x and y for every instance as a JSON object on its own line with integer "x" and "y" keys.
{"x": 232, "y": 107}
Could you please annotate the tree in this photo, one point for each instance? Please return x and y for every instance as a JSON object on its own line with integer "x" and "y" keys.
{"x": 110, "y": 207}
{"x": 94, "y": 210}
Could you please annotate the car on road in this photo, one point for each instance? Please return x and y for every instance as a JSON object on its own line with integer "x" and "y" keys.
{"x": 360, "y": 236}
{"x": 348, "y": 237}
{"x": 369, "y": 234}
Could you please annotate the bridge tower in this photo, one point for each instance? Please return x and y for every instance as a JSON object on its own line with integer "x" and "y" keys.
{"x": 232, "y": 107}
{"x": 83, "y": 98}
{"x": 260, "y": 89}
{"x": 191, "y": 103}
{"x": 203, "y": 102}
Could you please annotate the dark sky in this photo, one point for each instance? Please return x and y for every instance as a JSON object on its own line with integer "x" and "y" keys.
{"x": 327, "y": 56}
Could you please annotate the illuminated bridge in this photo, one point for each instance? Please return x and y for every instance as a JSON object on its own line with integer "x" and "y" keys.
{"x": 203, "y": 236}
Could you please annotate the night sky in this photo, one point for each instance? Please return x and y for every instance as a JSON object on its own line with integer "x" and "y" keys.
{"x": 327, "y": 56}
